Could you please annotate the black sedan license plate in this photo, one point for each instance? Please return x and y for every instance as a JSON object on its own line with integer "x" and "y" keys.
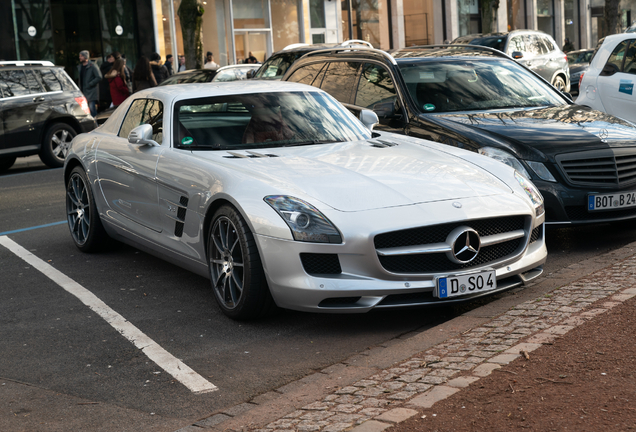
{"x": 611, "y": 201}
{"x": 452, "y": 286}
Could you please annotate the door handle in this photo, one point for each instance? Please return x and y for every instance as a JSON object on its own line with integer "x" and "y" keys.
{"x": 39, "y": 99}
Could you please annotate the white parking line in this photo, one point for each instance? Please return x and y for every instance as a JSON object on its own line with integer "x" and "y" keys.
{"x": 175, "y": 367}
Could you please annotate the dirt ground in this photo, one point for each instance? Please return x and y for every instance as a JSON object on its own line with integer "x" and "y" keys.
{"x": 584, "y": 381}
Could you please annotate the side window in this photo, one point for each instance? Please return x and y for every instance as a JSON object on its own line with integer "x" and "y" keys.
{"x": 516, "y": 44}
{"x": 548, "y": 45}
{"x": 49, "y": 80}
{"x": 534, "y": 45}
{"x": 618, "y": 55}
{"x": 144, "y": 111}
{"x": 16, "y": 83}
{"x": 630, "y": 58}
{"x": 307, "y": 74}
{"x": 32, "y": 82}
{"x": 4, "y": 88}
{"x": 340, "y": 79}
{"x": 375, "y": 86}
{"x": 64, "y": 79}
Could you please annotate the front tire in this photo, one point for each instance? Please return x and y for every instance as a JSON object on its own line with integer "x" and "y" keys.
{"x": 56, "y": 144}
{"x": 83, "y": 219}
{"x": 236, "y": 271}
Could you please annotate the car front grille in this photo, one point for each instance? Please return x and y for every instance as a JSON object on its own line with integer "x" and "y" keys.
{"x": 607, "y": 167}
{"x": 439, "y": 262}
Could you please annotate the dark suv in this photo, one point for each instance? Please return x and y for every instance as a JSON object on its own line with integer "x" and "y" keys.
{"x": 42, "y": 110}
{"x": 479, "y": 99}
{"x": 534, "y": 49}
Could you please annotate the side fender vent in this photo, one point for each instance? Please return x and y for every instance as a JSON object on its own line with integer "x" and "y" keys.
{"x": 181, "y": 214}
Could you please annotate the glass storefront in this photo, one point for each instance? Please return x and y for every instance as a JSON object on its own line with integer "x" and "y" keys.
{"x": 516, "y": 15}
{"x": 545, "y": 16}
{"x": 418, "y": 25}
{"x": 369, "y": 20}
{"x": 468, "y": 17}
{"x": 572, "y": 23}
{"x": 32, "y": 29}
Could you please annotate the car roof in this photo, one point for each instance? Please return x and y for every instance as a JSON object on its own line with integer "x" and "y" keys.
{"x": 239, "y": 66}
{"x": 26, "y": 63}
{"x": 211, "y": 89}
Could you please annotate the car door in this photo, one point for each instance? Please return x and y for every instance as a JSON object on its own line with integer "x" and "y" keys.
{"x": 616, "y": 91}
{"x": 24, "y": 109}
{"x": 376, "y": 91}
{"x": 127, "y": 172}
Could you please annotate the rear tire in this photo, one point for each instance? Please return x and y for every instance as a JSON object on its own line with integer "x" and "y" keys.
{"x": 83, "y": 219}
{"x": 56, "y": 144}
{"x": 559, "y": 83}
{"x": 236, "y": 272}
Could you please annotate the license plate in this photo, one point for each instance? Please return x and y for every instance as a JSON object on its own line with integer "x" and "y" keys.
{"x": 453, "y": 286}
{"x": 611, "y": 201}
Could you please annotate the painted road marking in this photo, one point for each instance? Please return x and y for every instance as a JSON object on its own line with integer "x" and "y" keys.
{"x": 175, "y": 367}
{"x": 32, "y": 228}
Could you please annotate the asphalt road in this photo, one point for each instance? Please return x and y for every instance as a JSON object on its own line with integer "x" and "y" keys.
{"x": 51, "y": 340}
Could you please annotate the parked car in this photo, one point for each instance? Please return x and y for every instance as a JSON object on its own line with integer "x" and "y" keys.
{"x": 534, "y": 49}
{"x": 41, "y": 110}
{"x": 608, "y": 84}
{"x": 235, "y": 72}
{"x": 631, "y": 29}
{"x": 283, "y": 198}
{"x": 578, "y": 62}
{"x": 479, "y": 99}
{"x": 275, "y": 67}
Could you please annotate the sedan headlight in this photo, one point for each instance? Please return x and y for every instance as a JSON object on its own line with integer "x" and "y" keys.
{"x": 541, "y": 171}
{"x": 307, "y": 224}
{"x": 533, "y": 193}
{"x": 505, "y": 157}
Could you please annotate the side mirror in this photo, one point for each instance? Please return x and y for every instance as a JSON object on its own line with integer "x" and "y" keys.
{"x": 250, "y": 73}
{"x": 369, "y": 118}
{"x": 609, "y": 69}
{"x": 142, "y": 135}
{"x": 384, "y": 109}
{"x": 516, "y": 55}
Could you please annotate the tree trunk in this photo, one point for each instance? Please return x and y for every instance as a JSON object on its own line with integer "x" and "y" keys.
{"x": 612, "y": 17}
{"x": 191, "y": 16}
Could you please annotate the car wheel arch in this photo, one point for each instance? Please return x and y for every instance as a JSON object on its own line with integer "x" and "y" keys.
{"x": 211, "y": 209}
{"x": 70, "y": 121}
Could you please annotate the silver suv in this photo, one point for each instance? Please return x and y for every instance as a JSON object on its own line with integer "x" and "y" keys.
{"x": 534, "y": 49}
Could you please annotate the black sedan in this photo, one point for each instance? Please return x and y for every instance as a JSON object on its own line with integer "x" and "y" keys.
{"x": 477, "y": 98}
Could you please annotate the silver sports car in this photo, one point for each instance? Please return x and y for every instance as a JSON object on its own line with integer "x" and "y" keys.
{"x": 283, "y": 198}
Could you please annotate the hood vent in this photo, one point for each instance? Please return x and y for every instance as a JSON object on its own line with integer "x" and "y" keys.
{"x": 382, "y": 143}
{"x": 250, "y": 154}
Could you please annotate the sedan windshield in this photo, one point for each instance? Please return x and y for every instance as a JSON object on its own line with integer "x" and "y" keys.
{"x": 250, "y": 121}
{"x": 462, "y": 85}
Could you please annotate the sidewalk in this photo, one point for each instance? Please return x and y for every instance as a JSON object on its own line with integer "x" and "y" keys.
{"x": 359, "y": 396}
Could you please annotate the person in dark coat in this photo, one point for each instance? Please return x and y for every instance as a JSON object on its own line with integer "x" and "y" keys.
{"x": 159, "y": 70}
{"x": 143, "y": 77}
{"x": 104, "y": 87}
{"x": 89, "y": 78}
{"x": 169, "y": 64}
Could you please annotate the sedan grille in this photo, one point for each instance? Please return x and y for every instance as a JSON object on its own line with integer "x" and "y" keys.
{"x": 435, "y": 234}
{"x": 607, "y": 167}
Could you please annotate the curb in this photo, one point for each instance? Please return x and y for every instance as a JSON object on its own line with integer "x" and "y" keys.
{"x": 385, "y": 386}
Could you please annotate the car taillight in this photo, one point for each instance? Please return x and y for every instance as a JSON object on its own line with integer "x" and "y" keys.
{"x": 581, "y": 79}
{"x": 83, "y": 103}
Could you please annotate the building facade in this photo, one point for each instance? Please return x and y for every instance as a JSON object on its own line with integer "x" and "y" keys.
{"x": 57, "y": 30}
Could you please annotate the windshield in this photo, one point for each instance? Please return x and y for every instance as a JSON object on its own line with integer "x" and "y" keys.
{"x": 496, "y": 42}
{"x": 251, "y": 121}
{"x": 276, "y": 66}
{"x": 467, "y": 85}
{"x": 579, "y": 56}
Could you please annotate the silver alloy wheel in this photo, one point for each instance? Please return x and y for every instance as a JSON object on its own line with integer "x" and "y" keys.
{"x": 226, "y": 263}
{"x": 61, "y": 143}
{"x": 78, "y": 209}
{"x": 559, "y": 84}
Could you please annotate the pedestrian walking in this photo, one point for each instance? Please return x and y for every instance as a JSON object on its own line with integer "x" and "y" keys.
{"x": 117, "y": 80}
{"x": 209, "y": 61}
{"x": 89, "y": 78}
{"x": 143, "y": 77}
{"x": 168, "y": 64}
{"x": 182, "y": 65}
{"x": 159, "y": 70}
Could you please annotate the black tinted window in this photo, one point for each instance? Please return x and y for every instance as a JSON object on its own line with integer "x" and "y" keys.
{"x": 630, "y": 58}
{"x": 307, "y": 74}
{"x": 375, "y": 86}
{"x": 32, "y": 82}
{"x": 144, "y": 111}
{"x": 618, "y": 55}
{"x": 67, "y": 83}
{"x": 50, "y": 81}
{"x": 275, "y": 67}
{"x": 16, "y": 83}
{"x": 340, "y": 79}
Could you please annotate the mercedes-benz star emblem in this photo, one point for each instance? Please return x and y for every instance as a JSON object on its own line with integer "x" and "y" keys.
{"x": 603, "y": 134}
{"x": 465, "y": 244}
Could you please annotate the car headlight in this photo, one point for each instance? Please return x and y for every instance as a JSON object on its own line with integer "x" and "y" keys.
{"x": 505, "y": 157}
{"x": 541, "y": 171}
{"x": 307, "y": 224}
{"x": 533, "y": 193}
